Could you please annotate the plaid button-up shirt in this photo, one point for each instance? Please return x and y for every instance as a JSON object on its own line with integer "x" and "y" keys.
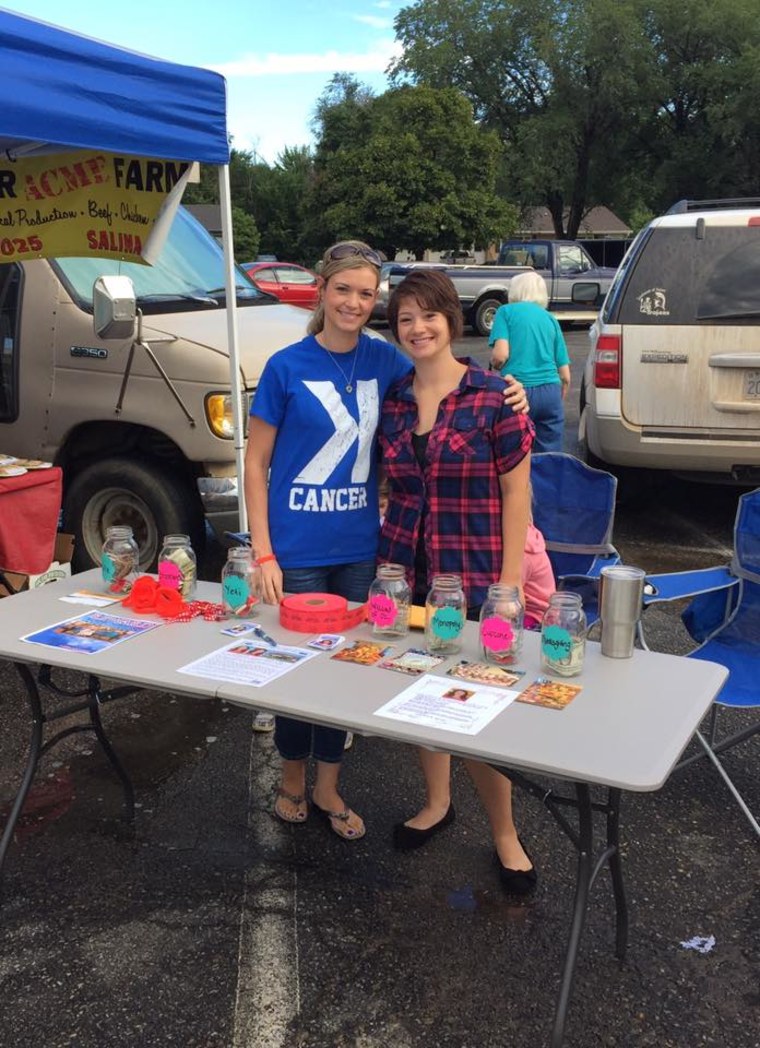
{"x": 475, "y": 439}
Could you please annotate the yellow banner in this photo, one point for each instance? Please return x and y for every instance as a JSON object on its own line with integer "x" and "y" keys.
{"x": 84, "y": 203}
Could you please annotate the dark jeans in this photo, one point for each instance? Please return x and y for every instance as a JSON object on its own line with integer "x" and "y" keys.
{"x": 296, "y": 740}
{"x": 548, "y": 414}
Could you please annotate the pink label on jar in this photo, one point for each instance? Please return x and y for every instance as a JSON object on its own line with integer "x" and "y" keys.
{"x": 382, "y": 610}
{"x": 169, "y": 574}
{"x": 496, "y": 634}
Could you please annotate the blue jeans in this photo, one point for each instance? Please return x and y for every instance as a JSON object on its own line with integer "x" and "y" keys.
{"x": 296, "y": 740}
{"x": 548, "y": 414}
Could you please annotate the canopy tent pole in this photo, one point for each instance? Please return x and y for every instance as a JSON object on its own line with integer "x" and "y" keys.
{"x": 236, "y": 385}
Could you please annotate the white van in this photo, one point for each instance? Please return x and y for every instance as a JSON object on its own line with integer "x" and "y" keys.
{"x": 672, "y": 380}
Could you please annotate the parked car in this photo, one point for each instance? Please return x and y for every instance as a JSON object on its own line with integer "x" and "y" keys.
{"x": 398, "y": 270}
{"x": 575, "y": 294}
{"x": 458, "y": 258}
{"x": 672, "y": 380}
{"x": 286, "y": 281}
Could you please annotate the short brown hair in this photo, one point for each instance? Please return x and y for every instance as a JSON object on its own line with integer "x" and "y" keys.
{"x": 433, "y": 290}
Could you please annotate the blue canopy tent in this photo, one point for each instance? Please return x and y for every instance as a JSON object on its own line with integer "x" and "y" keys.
{"x": 66, "y": 91}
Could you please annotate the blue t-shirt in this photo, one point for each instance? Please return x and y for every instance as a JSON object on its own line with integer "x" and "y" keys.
{"x": 323, "y": 500}
{"x": 536, "y": 343}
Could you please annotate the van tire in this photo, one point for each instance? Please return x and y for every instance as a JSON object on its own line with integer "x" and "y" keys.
{"x": 483, "y": 314}
{"x": 127, "y": 491}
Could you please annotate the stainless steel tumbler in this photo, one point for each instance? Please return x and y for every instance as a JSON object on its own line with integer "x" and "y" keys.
{"x": 621, "y": 594}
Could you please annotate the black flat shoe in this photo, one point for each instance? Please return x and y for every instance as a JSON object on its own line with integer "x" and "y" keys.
{"x": 517, "y": 882}
{"x": 406, "y": 838}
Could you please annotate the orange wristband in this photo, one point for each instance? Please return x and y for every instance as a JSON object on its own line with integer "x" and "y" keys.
{"x": 265, "y": 560}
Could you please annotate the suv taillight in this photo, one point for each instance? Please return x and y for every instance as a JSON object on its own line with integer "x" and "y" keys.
{"x": 607, "y": 362}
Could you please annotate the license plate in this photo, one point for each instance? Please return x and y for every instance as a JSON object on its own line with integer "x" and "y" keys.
{"x": 752, "y": 385}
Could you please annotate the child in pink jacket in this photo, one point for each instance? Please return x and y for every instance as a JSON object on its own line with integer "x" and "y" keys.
{"x": 537, "y": 577}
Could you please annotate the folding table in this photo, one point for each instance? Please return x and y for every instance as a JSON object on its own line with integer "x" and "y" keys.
{"x": 624, "y": 731}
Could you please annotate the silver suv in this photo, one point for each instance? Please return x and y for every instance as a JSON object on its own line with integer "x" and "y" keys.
{"x": 672, "y": 380}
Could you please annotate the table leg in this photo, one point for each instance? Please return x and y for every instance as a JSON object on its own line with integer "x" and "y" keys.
{"x": 616, "y": 873}
{"x": 95, "y": 698}
{"x": 588, "y": 869}
{"x": 583, "y": 881}
{"x": 35, "y": 748}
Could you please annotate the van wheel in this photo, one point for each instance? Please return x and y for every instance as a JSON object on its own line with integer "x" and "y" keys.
{"x": 124, "y": 491}
{"x": 484, "y": 313}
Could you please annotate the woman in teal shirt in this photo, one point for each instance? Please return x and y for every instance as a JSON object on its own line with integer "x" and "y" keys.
{"x": 528, "y": 341}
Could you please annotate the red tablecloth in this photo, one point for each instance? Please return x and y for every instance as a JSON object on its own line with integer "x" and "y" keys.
{"x": 29, "y": 509}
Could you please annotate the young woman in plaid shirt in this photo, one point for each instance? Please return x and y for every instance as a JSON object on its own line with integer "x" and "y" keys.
{"x": 457, "y": 460}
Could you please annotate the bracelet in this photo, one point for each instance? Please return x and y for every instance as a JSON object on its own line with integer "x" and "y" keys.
{"x": 265, "y": 560}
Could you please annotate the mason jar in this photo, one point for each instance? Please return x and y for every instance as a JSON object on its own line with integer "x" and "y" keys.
{"x": 501, "y": 624}
{"x": 177, "y": 566}
{"x": 389, "y": 601}
{"x": 120, "y": 559}
{"x": 563, "y": 635}
{"x": 445, "y": 614}
{"x": 241, "y": 582}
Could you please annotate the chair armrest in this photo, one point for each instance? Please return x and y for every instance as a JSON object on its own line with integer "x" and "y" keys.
{"x": 676, "y": 585}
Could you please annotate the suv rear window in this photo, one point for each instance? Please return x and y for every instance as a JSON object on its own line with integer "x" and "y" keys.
{"x": 679, "y": 278}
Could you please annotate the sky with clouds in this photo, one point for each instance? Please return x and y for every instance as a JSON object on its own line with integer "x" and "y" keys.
{"x": 277, "y": 55}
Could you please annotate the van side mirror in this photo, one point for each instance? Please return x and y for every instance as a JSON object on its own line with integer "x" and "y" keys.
{"x": 114, "y": 307}
{"x": 586, "y": 292}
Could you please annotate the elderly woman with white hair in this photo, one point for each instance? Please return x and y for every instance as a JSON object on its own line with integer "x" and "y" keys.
{"x": 528, "y": 341}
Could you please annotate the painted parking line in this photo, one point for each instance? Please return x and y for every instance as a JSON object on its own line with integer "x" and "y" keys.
{"x": 268, "y": 989}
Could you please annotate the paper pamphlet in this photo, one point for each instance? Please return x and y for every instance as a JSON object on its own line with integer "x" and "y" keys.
{"x": 553, "y": 694}
{"x": 413, "y": 661}
{"x": 438, "y": 703}
{"x": 247, "y": 662}
{"x": 90, "y": 633}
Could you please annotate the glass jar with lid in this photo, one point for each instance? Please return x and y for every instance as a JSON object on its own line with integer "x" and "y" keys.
{"x": 445, "y": 614}
{"x": 120, "y": 559}
{"x": 501, "y": 624}
{"x": 563, "y": 635}
{"x": 241, "y": 582}
{"x": 389, "y": 600}
{"x": 177, "y": 566}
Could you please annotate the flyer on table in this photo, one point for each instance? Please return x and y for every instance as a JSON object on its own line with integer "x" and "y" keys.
{"x": 443, "y": 703}
{"x": 248, "y": 662}
{"x": 90, "y": 633}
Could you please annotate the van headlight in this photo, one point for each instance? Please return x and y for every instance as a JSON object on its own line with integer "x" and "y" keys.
{"x": 219, "y": 414}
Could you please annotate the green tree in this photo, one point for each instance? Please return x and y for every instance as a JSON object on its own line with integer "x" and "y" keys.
{"x": 558, "y": 81}
{"x": 245, "y": 235}
{"x": 280, "y": 203}
{"x": 409, "y": 169}
{"x": 704, "y": 132}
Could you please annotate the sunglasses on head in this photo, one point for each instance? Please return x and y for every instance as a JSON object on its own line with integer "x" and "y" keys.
{"x": 348, "y": 250}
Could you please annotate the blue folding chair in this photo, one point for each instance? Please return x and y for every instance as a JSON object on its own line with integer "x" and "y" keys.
{"x": 724, "y": 617}
{"x": 574, "y": 509}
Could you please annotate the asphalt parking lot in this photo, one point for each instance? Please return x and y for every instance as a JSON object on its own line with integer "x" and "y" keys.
{"x": 206, "y": 923}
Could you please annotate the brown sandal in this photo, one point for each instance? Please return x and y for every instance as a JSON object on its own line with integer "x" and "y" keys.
{"x": 338, "y": 821}
{"x": 296, "y": 799}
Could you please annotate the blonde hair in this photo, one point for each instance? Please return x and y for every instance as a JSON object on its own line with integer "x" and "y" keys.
{"x": 329, "y": 267}
{"x": 529, "y": 287}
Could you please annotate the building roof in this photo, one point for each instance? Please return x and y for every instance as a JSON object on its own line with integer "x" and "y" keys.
{"x": 209, "y": 216}
{"x": 597, "y": 222}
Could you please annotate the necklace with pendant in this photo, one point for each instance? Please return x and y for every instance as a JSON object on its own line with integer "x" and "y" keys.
{"x": 348, "y": 379}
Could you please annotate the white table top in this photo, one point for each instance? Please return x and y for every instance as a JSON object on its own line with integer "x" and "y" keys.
{"x": 626, "y": 728}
